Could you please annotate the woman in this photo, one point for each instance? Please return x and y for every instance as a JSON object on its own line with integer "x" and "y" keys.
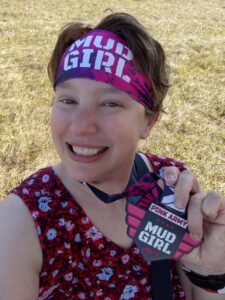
{"x": 109, "y": 83}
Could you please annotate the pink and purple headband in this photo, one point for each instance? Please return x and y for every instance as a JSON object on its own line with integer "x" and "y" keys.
{"x": 103, "y": 56}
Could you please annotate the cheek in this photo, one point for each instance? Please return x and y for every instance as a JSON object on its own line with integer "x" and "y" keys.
{"x": 57, "y": 123}
{"x": 124, "y": 131}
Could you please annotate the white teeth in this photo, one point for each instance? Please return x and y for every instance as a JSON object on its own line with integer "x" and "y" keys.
{"x": 85, "y": 151}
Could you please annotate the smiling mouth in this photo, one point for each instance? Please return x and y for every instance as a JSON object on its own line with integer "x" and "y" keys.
{"x": 83, "y": 151}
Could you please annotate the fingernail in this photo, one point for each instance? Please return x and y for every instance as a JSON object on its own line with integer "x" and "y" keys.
{"x": 170, "y": 178}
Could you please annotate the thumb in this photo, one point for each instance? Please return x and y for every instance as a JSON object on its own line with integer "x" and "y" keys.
{"x": 160, "y": 184}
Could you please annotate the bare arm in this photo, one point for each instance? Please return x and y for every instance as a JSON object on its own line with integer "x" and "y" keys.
{"x": 185, "y": 282}
{"x": 200, "y": 294}
{"x": 20, "y": 252}
{"x": 193, "y": 292}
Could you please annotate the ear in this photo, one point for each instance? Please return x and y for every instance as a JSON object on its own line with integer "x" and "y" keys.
{"x": 151, "y": 121}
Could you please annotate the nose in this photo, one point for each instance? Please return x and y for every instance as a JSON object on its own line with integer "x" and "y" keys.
{"x": 84, "y": 122}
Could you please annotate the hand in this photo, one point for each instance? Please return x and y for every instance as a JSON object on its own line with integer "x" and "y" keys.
{"x": 136, "y": 213}
{"x": 206, "y": 219}
{"x": 185, "y": 183}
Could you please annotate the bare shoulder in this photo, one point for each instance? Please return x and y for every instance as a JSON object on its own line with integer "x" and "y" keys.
{"x": 20, "y": 251}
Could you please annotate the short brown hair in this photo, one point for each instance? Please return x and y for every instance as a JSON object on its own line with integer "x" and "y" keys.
{"x": 147, "y": 52}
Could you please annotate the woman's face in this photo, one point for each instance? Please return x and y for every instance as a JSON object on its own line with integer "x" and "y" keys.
{"x": 95, "y": 129}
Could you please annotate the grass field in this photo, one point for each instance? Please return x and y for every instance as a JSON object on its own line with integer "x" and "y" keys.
{"x": 193, "y": 35}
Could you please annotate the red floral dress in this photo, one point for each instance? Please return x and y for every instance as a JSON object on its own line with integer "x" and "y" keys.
{"x": 79, "y": 262}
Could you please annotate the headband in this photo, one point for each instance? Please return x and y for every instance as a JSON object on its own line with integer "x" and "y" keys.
{"x": 103, "y": 56}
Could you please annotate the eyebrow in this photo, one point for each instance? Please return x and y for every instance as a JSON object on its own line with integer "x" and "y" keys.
{"x": 112, "y": 89}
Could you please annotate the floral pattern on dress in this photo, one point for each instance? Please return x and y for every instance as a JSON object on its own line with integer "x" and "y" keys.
{"x": 78, "y": 261}
{"x": 129, "y": 292}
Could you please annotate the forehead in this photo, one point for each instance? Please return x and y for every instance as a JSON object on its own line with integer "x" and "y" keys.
{"x": 81, "y": 83}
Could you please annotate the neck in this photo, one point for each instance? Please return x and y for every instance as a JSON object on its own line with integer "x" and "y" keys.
{"x": 114, "y": 186}
{"x": 107, "y": 185}
{"x": 117, "y": 183}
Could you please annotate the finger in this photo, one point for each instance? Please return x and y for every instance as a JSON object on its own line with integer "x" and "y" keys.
{"x": 213, "y": 208}
{"x": 171, "y": 174}
{"x": 160, "y": 183}
{"x": 195, "y": 216}
{"x": 187, "y": 184}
